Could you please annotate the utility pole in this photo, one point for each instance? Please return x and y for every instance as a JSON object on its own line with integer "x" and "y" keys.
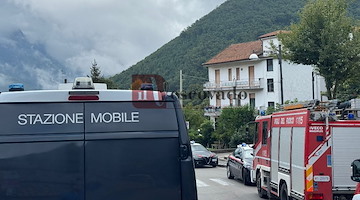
{"x": 181, "y": 88}
{"x": 281, "y": 77}
{"x": 313, "y": 84}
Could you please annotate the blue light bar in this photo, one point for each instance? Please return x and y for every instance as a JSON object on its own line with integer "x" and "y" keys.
{"x": 16, "y": 87}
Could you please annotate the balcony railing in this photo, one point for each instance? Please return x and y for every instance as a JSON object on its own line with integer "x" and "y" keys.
{"x": 212, "y": 111}
{"x": 241, "y": 84}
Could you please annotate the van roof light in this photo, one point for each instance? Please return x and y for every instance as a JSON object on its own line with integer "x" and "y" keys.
{"x": 16, "y": 87}
{"x": 83, "y": 83}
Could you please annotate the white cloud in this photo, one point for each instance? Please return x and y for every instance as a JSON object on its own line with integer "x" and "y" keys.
{"x": 116, "y": 33}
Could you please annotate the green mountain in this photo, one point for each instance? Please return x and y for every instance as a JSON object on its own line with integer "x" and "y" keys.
{"x": 234, "y": 21}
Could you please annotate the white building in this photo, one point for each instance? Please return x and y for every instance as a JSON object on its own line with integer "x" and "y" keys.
{"x": 253, "y": 72}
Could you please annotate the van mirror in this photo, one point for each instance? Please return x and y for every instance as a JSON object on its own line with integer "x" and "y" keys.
{"x": 355, "y": 170}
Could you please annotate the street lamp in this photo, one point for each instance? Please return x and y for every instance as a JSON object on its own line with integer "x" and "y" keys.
{"x": 253, "y": 56}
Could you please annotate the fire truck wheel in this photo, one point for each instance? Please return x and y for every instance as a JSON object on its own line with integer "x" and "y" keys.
{"x": 261, "y": 192}
{"x": 284, "y": 193}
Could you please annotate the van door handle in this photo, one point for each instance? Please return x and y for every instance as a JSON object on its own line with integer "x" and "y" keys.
{"x": 184, "y": 152}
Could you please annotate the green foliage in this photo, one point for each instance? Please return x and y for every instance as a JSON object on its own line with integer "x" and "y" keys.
{"x": 200, "y": 128}
{"x": 270, "y": 110}
{"x": 98, "y": 78}
{"x": 321, "y": 39}
{"x": 195, "y": 96}
{"x": 206, "y": 131}
{"x": 291, "y": 101}
{"x": 110, "y": 84}
{"x": 235, "y": 21}
{"x": 350, "y": 89}
{"x": 95, "y": 72}
{"x": 230, "y": 126}
{"x": 241, "y": 136}
{"x": 194, "y": 115}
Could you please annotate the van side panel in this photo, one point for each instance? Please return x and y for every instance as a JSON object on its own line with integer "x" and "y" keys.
{"x": 41, "y": 119}
{"x": 131, "y": 152}
{"x": 124, "y": 116}
{"x": 42, "y": 170}
{"x": 132, "y": 169}
{"x": 44, "y": 157}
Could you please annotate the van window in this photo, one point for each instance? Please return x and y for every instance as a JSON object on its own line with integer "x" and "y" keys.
{"x": 253, "y": 130}
{"x": 264, "y": 131}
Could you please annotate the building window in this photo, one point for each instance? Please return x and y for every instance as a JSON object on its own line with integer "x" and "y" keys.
{"x": 237, "y": 73}
{"x": 271, "y": 104}
{"x": 230, "y": 74}
{"x": 218, "y": 102}
{"x": 238, "y": 101}
{"x": 252, "y": 100}
{"x": 231, "y": 100}
{"x": 270, "y": 85}
{"x": 217, "y": 77}
{"x": 269, "y": 63}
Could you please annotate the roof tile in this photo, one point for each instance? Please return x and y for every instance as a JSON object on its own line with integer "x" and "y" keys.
{"x": 237, "y": 52}
{"x": 273, "y": 33}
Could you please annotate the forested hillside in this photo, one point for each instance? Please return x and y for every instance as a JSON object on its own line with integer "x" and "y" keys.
{"x": 235, "y": 21}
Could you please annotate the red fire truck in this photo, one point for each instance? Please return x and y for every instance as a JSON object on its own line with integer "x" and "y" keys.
{"x": 305, "y": 153}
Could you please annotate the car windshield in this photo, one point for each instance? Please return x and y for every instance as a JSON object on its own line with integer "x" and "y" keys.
{"x": 198, "y": 147}
{"x": 248, "y": 153}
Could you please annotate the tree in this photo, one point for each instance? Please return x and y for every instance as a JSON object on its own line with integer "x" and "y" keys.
{"x": 326, "y": 39}
{"x": 206, "y": 131}
{"x": 98, "y": 78}
{"x": 232, "y": 121}
{"x": 194, "y": 115}
{"x": 95, "y": 72}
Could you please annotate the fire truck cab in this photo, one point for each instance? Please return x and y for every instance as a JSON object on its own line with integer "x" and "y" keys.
{"x": 305, "y": 152}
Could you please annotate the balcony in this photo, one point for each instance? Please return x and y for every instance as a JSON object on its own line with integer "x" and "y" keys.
{"x": 238, "y": 84}
{"x": 212, "y": 111}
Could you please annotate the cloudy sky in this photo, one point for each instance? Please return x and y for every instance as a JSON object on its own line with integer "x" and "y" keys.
{"x": 117, "y": 33}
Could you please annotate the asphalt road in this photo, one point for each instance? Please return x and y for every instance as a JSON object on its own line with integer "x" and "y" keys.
{"x": 212, "y": 184}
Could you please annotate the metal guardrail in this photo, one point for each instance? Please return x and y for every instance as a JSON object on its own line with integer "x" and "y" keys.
{"x": 212, "y": 111}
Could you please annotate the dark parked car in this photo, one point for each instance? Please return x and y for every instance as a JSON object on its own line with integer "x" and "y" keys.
{"x": 239, "y": 164}
{"x": 203, "y": 156}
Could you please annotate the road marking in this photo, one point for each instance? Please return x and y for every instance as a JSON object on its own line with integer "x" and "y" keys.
{"x": 200, "y": 183}
{"x": 219, "y": 181}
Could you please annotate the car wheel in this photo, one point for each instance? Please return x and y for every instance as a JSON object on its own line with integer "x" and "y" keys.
{"x": 196, "y": 165}
{"x": 246, "y": 177}
{"x": 284, "y": 193}
{"x": 261, "y": 192}
{"x": 228, "y": 172}
{"x": 214, "y": 165}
